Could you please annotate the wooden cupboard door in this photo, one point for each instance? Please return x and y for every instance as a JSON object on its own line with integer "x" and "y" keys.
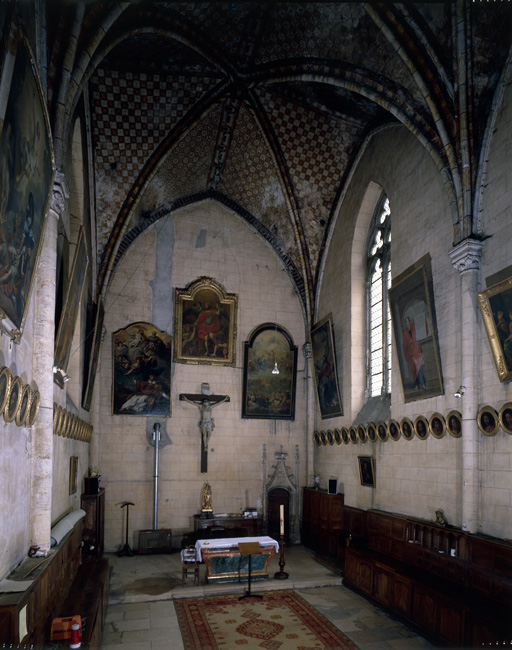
{"x": 424, "y": 609}
{"x": 401, "y": 597}
{"x": 365, "y": 576}
{"x": 451, "y": 623}
{"x": 383, "y": 581}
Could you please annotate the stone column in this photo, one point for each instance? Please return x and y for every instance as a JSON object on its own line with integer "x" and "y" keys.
{"x": 43, "y": 355}
{"x": 466, "y": 258}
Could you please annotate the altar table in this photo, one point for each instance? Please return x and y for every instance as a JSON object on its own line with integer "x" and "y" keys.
{"x": 225, "y": 564}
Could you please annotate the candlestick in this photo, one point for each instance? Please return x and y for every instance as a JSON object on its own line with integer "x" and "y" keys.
{"x": 281, "y": 575}
{"x": 281, "y": 517}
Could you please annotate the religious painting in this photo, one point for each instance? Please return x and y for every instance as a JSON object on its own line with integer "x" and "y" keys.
{"x": 270, "y": 374}
{"x": 496, "y": 309}
{"x": 69, "y": 315}
{"x": 324, "y": 362}
{"x": 26, "y": 176}
{"x": 205, "y": 324}
{"x": 94, "y": 343}
{"x": 73, "y": 474}
{"x": 454, "y": 424}
{"x": 506, "y": 417}
{"x": 414, "y": 326}
{"x": 488, "y": 421}
{"x": 366, "y": 470}
{"x": 141, "y": 373}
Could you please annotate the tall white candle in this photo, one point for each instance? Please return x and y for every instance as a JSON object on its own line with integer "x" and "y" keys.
{"x": 281, "y": 517}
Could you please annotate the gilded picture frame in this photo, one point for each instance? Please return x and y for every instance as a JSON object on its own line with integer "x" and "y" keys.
{"x": 205, "y": 326}
{"x": 454, "y": 424}
{"x": 324, "y": 363}
{"x": 66, "y": 330}
{"x": 437, "y": 425}
{"x": 495, "y": 305}
{"x": 421, "y": 428}
{"x": 488, "y": 421}
{"x": 366, "y": 470}
{"x": 407, "y": 428}
{"x": 267, "y": 394}
{"x": 411, "y": 302}
{"x": 141, "y": 360}
{"x": 394, "y": 431}
{"x": 371, "y": 430}
{"x": 27, "y": 171}
{"x": 94, "y": 354}
{"x": 506, "y": 417}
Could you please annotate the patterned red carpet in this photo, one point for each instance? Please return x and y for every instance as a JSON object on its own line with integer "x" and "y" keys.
{"x": 281, "y": 620}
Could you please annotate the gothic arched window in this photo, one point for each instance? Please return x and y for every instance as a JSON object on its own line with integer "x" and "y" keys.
{"x": 378, "y": 278}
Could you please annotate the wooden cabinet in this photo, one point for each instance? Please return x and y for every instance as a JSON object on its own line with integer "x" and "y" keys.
{"x": 251, "y": 526}
{"x": 322, "y": 522}
{"x": 94, "y": 522}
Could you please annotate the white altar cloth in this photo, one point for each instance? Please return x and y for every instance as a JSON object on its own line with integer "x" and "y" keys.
{"x": 227, "y": 542}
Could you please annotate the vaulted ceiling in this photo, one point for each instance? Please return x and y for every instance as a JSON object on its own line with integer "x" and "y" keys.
{"x": 265, "y": 106}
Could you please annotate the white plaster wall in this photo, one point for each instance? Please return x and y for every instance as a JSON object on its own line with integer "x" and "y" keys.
{"x": 201, "y": 240}
{"x": 414, "y": 477}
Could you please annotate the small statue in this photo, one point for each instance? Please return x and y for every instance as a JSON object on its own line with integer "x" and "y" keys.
{"x": 206, "y": 498}
{"x": 440, "y": 518}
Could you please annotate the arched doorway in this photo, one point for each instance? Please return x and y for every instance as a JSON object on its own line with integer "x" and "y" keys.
{"x": 275, "y": 498}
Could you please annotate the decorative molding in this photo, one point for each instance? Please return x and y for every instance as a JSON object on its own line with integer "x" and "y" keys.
{"x": 467, "y": 255}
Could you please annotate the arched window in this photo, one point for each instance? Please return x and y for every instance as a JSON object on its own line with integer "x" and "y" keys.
{"x": 378, "y": 279}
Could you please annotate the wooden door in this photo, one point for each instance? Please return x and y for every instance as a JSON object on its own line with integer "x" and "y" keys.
{"x": 276, "y": 498}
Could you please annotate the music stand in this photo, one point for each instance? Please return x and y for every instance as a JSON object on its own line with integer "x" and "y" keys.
{"x": 250, "y": 549}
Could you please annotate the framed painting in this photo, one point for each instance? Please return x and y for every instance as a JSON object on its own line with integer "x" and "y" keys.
{"x": 26, "y": 177}
{"x": 73, "y": 474}
{"x": 205, "y": 324}
{"x": 421, "y": 428}
{"x": 141, "y": 372}
{"x": 488, "y": 421}
{"x": 437, "y": 425}
{"x": 366, "y": 470}
{"x": 67, "y": 323}
{"x": 324, "y": 362}
{"x": 270, "y": 374}
{"x": 93, "y": 356}
{"x": 454, "y": 424}
{"x": 506, "y": 417}
{"x": 496, "y": 308}
{"x": 414, "y": 326}
{"x": 407, "y": 429}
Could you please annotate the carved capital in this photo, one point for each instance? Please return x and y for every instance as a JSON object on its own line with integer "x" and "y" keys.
{"x": 307, "y": 351}
{"x": 466, "y": 256}
{"x": 60, "y": 193}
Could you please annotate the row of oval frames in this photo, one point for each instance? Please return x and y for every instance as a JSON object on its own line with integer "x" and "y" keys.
{"x": 18, "y": 402}
{"x": 489, "y": 422}
{"x": 69, "y": 425}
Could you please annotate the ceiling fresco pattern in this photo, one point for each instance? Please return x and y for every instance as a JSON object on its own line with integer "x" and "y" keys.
{"x": 264, "y": 106}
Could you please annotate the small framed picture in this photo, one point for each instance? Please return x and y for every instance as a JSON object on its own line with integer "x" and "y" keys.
{"x": 421, "y": 427}
{"x": 330, "y": 437}
{"x": 407, "y": 428}
{"x": 361, "y": 433}
{"x": 506, "y": 417}
{"x": 382, "y": 431}
{"x": 316, "y": 438}
{"x": 488, "y": 421}
{"x": 73, "y": 474}
{"x": 337, "y": 436}
{"x": 353, "y": 435}
{"x": 454, "y": 424}
{"x": 345, "y": 436}
{"x": 323, "y": 437}
{"x": 394, "y": 430}
{"x": 366, "y": 470}
{"x": 437, "y": 425}
{"x": 372, "y": 432}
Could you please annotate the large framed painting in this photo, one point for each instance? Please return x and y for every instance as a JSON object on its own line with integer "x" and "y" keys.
{"x": 205, "y": 324}
{"x": 270, "y": 374}
{"x": 326, "y": 376}
{"x": 26, "y": 177}
{"x": 411, "y": 303}
{"x": 141, "y": 374}
{"x": 69, "y": 315}
{"x": 93, "y": 347}
{"x": 496, "y": 308}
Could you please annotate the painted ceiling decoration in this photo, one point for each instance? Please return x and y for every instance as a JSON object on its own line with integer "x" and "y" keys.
{"x": 266, "y": 106}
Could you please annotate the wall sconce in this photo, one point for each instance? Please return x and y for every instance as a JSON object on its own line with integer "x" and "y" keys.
{"x": 460, "y": 392}
{"x": 61, "y": 374}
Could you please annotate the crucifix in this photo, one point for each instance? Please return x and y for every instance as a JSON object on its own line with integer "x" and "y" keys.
{"x": 205, "y": 403}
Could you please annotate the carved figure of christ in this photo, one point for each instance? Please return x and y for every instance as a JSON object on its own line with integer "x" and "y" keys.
{"x": 205, "y": 404}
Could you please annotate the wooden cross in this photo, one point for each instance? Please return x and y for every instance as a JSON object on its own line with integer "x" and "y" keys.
{"x": 205, "y": 403}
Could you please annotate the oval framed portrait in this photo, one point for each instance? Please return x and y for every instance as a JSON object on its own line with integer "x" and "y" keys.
{"x": 421, "y": 427}
{"x": 437, "y": 425}
{"x": 33, "y": 409}
{"x": 330, "y": 436}
{"x": 323, "y": 437}
{"x": 14, "y": 401}
{"x": 382, "y": 431}
{"x": 488, "y": 421}
{"x": 394, "y": 430}
{"x": 73, "y": 426}
{"x": 316, "y": 438}
{"x": 371, "y": 431}
{"x": 58, "y": 424}
{"x": 88, "y": 432}
{"x": 21, "y": 415}
{"x": 407, "y": 429}
{"x": 454, "y": 424}
{"x": 362, "y": 435}
{"x": 337, "y": 436}
{"x": 64, "y": 422}
{"x": 344, "y": 436}
{"x": 506, "y": 417}
{"x": 5, "y": 387}
{"x": 353, "y": 435}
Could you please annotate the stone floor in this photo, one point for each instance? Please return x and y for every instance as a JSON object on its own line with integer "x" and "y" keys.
{"x": 141, "y": 615}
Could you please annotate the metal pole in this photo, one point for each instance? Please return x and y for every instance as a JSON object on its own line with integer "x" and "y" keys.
{"x": 156, "y": 438}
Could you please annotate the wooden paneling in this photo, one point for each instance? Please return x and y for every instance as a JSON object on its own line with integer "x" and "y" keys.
{"x": 322, "y": 522}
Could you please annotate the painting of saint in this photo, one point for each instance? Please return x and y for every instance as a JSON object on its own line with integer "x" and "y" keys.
{"x": 324, "y": 362}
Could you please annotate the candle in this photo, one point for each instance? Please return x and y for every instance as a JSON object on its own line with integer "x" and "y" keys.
{"x": 281, "y": 518}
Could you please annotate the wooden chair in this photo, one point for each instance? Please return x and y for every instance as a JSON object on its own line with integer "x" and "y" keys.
{"x": 189, "y": 564}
